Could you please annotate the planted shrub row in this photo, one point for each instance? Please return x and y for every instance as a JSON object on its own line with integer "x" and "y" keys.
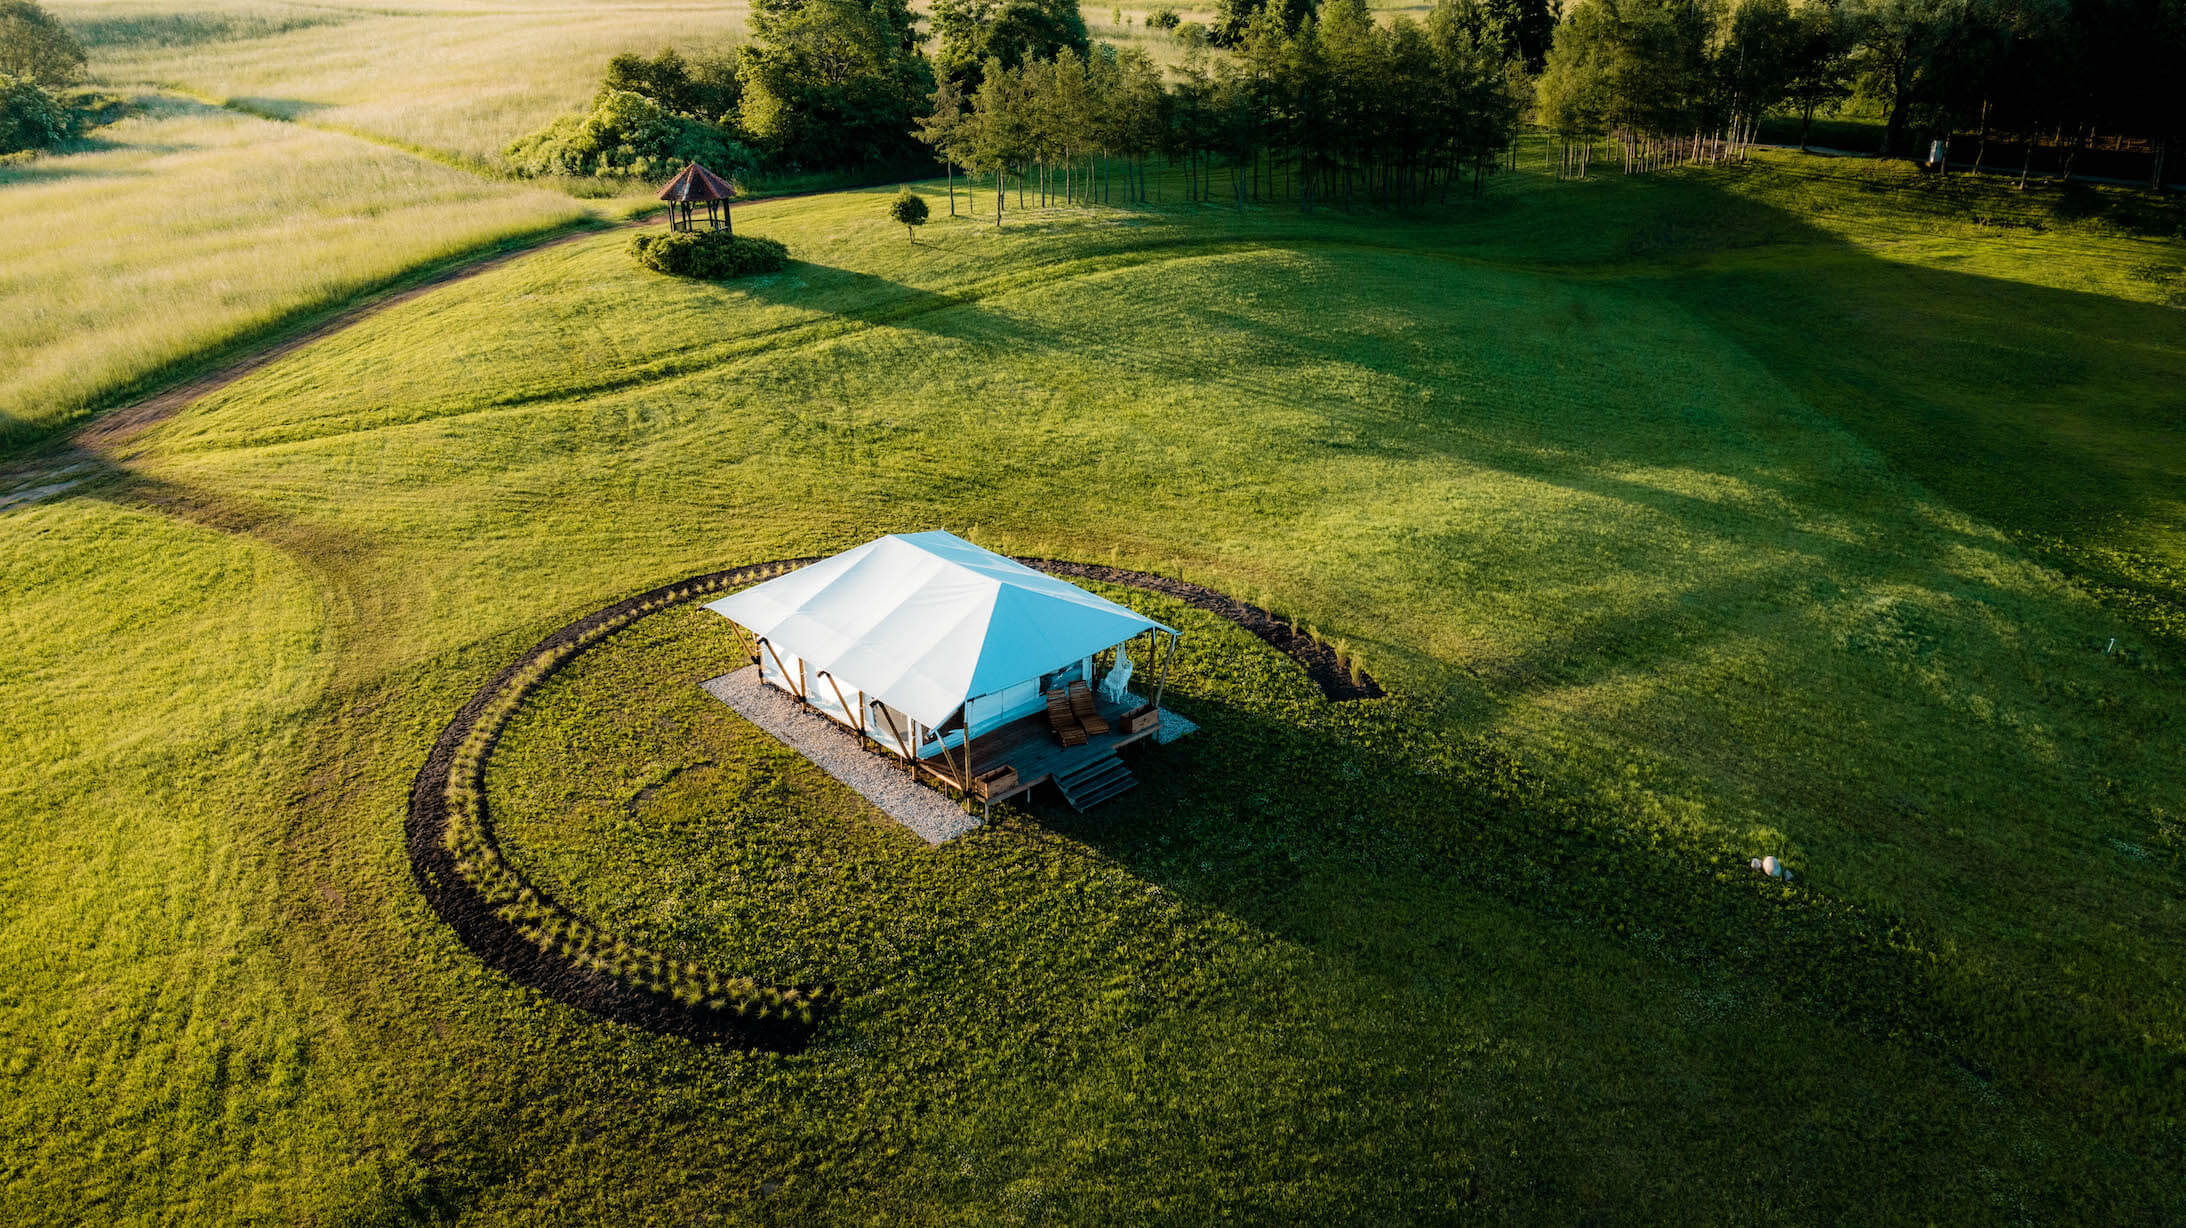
{"x": 553, "y": 931}
{"x": 1330, "y": 664}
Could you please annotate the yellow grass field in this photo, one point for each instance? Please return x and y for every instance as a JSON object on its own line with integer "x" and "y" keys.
{"x": 452, "y": 78}
{"x": 260, "y": 219}
{"x": 188, "y": 225}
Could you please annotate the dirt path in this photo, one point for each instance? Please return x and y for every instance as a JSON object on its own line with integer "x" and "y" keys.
{"x": 29, "y": 477}
{"x": 98, "y": 441}
{"x": 118, "y": 426}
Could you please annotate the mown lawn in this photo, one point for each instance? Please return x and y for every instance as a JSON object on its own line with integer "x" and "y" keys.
{"x": 1632, "y": 494}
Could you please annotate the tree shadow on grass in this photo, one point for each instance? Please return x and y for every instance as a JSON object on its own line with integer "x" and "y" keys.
{"x": 279, "y": 110}
{"x": 868, "y": 300}
{"x": 1993, "y": 393}
{"x": 1342, "y": 842}
{"x": 57, "y": 166}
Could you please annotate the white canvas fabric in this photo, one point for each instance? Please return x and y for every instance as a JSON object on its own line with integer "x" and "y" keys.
{"x": 927, "y": 622}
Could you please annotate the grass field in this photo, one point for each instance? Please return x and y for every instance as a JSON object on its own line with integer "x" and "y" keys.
{"x": 287, "y": 150}
{"x": 186, "y": 225}
{"x": 1686, "y": 519}
{"x": 455, "y": 78}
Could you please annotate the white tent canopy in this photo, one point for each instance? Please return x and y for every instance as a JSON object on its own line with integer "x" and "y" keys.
{"x": 928, "y": 622}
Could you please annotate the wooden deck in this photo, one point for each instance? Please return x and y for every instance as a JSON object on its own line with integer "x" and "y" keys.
{"x": 1030, "y": 746}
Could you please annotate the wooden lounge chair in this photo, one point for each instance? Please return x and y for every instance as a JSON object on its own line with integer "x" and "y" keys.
{"x": 1062, "y": 721}
{"x": 1088, "y": 713}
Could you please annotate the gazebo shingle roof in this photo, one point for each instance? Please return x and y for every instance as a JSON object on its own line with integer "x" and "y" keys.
{"x": 695, "y": 182}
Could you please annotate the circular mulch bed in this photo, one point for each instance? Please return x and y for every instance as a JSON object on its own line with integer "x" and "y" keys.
{"x": 500, "y": 945}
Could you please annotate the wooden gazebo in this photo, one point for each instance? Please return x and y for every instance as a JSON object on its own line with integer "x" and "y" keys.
{"x": 695, "y": 185}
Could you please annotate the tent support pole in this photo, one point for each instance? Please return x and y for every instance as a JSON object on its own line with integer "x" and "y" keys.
{"x": 901, "y": 741}
{"x": 967, "y": 750}
{"x": 837, "y": 688}
{"x": 784, "y": 669}
{"x": 941, "y": 738}
{"x": 1163, "y": 681}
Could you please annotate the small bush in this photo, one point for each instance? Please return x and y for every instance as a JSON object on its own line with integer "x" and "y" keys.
{"x": 30, "y": 117}
{"x": 628, "y": 134}
{"x": 710, "y": 255}
{"x": 908, "y": 210}
{"x": 1163, "y": 19}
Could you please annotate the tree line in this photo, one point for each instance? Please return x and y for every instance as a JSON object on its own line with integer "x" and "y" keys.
{"x": 1317, "y": 101}
{"x": 1336, "y": 108}
{"x": 1693, "y": 78}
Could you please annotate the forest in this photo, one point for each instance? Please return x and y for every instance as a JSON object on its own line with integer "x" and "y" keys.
{"x": 1322, "y": 102}
{"x": 1325, "y": 103}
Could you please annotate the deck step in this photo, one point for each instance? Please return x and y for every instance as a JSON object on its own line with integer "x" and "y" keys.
{"x": 1089, "y": 785}
{"x": 1091, "y": 771}
{"x": 1086, "y": 802}
{"x": 1090, "y": 765}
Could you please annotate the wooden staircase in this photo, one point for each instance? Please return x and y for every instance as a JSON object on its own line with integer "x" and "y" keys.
{"x": 1088, "y": 784}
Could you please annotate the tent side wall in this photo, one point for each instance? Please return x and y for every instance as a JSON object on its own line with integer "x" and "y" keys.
{"x": 885, "y": 725}
{"x": 792, "y": 674}
{"x": 991, "y": 711}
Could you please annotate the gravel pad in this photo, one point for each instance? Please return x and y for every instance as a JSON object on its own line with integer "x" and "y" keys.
{"x": 835, "y": 749}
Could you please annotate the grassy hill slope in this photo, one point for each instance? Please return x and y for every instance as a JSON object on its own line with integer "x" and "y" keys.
{"x": 1641, "y": 497}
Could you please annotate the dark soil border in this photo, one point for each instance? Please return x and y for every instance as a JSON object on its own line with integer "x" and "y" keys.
{"x": 500, "y": 946}
{"x": 497, "y": 942}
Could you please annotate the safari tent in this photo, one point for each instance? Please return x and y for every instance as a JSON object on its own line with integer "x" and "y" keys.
{"x": 977, "y": 670}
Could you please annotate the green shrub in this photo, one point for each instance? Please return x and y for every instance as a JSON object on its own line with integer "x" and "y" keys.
{"x": 627, "y": 134}
{"x": 35, "y": 46}
{"x": 908, "y": 210}
{"x": 1163, "y": 19}
{"x": 30, "y": 118}
{"x": 710, "y": 255}
{"x": 705, "y": 88}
